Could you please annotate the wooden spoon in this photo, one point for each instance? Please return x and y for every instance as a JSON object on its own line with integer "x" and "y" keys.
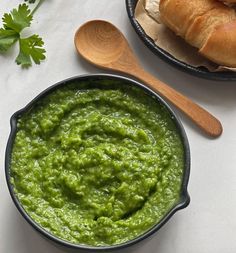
{"x": 102, "y": 44}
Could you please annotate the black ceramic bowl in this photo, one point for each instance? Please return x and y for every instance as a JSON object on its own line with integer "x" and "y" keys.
{"x": 200, "y": 72}
{"x": 93, "y": 81}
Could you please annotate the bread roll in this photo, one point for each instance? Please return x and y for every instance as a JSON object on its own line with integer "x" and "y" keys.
{"x": 206, "y": 24}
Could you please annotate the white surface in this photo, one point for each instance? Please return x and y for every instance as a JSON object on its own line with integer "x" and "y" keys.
{"x": 208, "y": 225}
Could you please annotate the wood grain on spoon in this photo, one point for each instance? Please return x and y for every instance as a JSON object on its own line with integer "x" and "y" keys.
{"x": 102, "y": 44}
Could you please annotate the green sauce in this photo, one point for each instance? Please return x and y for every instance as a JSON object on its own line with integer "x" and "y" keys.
{"x": 97, "y": 166}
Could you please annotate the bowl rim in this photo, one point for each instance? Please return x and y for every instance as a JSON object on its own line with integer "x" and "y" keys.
{"x": 184, "y": 199}
{"x": 167, "y": 57}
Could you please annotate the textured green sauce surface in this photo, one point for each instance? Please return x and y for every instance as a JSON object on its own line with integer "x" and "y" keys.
{"x": 97, "y": 167}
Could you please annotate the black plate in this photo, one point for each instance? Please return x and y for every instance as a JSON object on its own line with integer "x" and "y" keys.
{"x": 95, "y": 81}
{"x": 200, "y": 72}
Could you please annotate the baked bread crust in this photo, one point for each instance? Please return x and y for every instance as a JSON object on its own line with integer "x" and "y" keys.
{"x": 221, "y": 45}
{"x": 206, "y": 24}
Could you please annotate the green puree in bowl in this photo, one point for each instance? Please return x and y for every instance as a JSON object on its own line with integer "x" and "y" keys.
{"x": 97, "y": 166}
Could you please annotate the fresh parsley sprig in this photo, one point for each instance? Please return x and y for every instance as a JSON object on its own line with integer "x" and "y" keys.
{"x": 30, "y": 48}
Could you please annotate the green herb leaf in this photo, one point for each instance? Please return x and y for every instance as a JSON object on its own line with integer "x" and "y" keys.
{"x": 30, "y": 48}
{"x": 18, "y": 19}
{"x": 7, "y": 39}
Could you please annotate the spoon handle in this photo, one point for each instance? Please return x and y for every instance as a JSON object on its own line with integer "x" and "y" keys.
{"x": 206, "y": 121}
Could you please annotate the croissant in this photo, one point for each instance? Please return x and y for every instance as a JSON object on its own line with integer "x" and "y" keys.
{"x": 208, "y": 25}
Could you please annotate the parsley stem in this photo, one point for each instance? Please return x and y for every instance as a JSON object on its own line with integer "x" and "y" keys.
{"x": 37, "y": 6}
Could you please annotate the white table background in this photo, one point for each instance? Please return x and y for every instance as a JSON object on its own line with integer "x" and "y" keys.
{"x": 208, "y": 225}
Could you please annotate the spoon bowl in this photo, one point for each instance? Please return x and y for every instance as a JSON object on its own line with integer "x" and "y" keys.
{"x": 91, "y": 40}
{"x": 103, "y": 45}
